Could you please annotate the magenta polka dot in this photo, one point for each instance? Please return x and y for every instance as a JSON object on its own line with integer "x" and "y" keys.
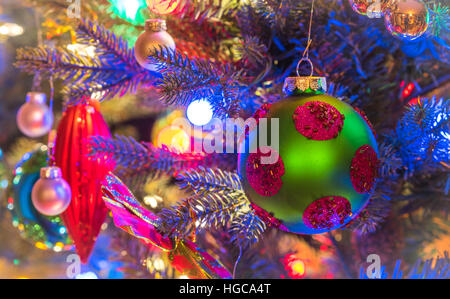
{"x": 327, "y": 212}
{"x": 318, "y": 120}
{"x": 262, "y": 112}
{"x": 364, "y": 168}
{"x": 265, "y": 178}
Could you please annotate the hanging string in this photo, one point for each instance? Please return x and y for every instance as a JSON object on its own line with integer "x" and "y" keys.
{"x": 50, "y": 141}
{"x": 237, "y": 262}
{"x": 36, "y": 87}
{"x": 305, "y": 56}
{"x": 306, "y": 52}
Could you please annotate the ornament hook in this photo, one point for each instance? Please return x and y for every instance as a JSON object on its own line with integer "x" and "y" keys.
{"x": 310, "y": 63}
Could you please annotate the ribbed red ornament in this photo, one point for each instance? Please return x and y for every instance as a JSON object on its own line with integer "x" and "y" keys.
{"x": 87, "y": 211}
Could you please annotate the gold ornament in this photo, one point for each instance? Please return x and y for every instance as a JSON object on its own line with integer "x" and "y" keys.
{"x": 370, "y": 8}
{"x": 153, "y": 38}
{"x": 407, "y": 19}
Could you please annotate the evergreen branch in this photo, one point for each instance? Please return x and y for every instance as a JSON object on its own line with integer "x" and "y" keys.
{"x": 218, "y": 200}
{"x": 111, "y": 49}
{"x": 106, "y": 91}
{"x": 113, "y": 52}
{"x": 373, "y": 215}
{"x": 421, "y": 134}
{"x": 186, "y": 80}
{"x": 114, "y": 71}
{"x": 246, "y": 229}
{"x": 132, "y": 155}
{"x": 281, "y": 15}
{"x": 166, "y": 60}
{"x": 184, "y": 88}
{"x": 390, "y": 161}
{"x": 206, "y": 180}
{"x": 440, "y": 19}
{"x": 201, "y": 10}
{"x": 211, "y": 210}
{"x": 62, "y": 63}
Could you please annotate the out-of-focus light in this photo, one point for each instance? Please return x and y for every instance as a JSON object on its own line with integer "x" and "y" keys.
{"x": 16, "y": 180}
{"x": 128, "y": 8}
{"x": 199, "y": 112}
{"x": 295, "y": 266}
{"x": 3, "y": 184}
{"x": 174, "y": 138}
{"x": 41, "y": 246}
{"x": 87, "y": 275}
{"x": 98, "y": 95}
{"x": 408, "y": 90}
{"x": 18, "y": 170}
{"x": 58, "y": 247}
{"x": 152, "y": 200}
{"x": 158, "y": 264}
{"x": 10, "y": 29}
{"x": 298, "y": 267}
{"x": 43, "y": 148}
{"x": 183, "y": 277}
{"x": 82, "y": 50}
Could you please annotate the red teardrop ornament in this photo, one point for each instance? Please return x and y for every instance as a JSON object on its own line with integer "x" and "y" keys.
{"x": 87, "y": 211}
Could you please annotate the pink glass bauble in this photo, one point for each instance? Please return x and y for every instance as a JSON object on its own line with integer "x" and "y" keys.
{"x": 51, "y": 194}
{"x": 34, "y": 118}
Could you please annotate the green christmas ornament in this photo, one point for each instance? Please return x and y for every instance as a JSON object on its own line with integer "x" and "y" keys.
{"x": 45, "y": 232}
{"x": 322, "y": 170}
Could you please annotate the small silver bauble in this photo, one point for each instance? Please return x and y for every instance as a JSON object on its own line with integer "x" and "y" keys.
{"x": 51, "y": 194}
{"x": 154, "y": 37}
{"x": 34, "y": 118}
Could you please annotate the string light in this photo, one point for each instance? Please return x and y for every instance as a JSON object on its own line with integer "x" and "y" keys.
{"x": 199, "y": 112}
{"x": 10, "y": 29}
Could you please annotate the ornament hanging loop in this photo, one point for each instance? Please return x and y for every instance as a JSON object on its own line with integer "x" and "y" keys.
{"x": 305, "y": 56}
{"x": 310, "y": 63}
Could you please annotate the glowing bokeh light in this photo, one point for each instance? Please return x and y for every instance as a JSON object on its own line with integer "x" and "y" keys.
{"x": 199, "y": 112}
{"x": 127, "y": 9}
{"x": 11, "y": 29}
{"x": 174, "y": 138}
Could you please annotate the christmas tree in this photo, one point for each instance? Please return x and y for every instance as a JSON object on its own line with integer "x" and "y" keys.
{"x": 142, "y": 95}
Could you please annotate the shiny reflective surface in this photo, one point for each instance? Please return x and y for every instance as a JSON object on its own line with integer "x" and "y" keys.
{"x": 371, "y": 8}
{"x": 407, "y": 19}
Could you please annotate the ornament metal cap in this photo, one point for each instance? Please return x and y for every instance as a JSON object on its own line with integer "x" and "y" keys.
{"x": 293, "y": 85}
{"x": 51, "y": 173}
{"x": 155, "y": 25}
{"x": 304, "y": 84}
{"x": 36, "y": 97}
